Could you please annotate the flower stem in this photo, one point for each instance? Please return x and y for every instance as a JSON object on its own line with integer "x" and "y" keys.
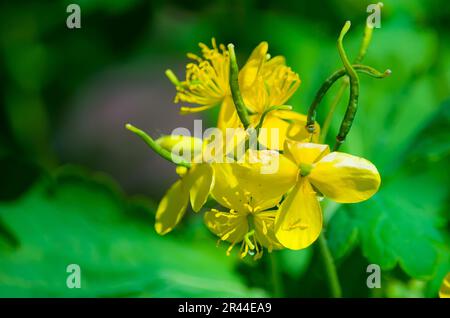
{"x": 178, "y": 160}
{"x": 352, "y": 105}
{"x": 267, "y": 111}
{"x": 277, "y": 286}
{"x": 338, "y": 74}
{"x": 311, "y": 117}
{"x": 334, "y": 103}
{"x": 235, "y": 91}
{"x": 367, "y": 37}
{"x": 330, "y": 268}
{"x": 330, "y": 81}
{"x": 361, "y": 69}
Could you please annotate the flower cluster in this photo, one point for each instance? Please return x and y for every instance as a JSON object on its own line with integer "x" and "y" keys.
{"x": 259, "y": 207}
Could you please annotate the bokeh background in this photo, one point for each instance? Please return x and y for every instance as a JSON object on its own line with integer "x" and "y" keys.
{"x": 77, "y": 188}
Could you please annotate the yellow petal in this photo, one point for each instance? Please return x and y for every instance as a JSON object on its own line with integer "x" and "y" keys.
{"x": 172, "y": 207}
{"x": 291, "y": 125}
{"x": 273, "y": 133}
{"x": 444, "y": 291}
{"x": 228, "y": 117}
{"x": 297, "y": 129}
{"x": 272, "y": 65}
{"x": 249, "y": 72}
{"x": 345, "y": 178}
{"x": 299, "y": 221}
{"x": 259, "y": 181}
{"x": 200, "y": 182}
{"x": 226, "y": 186}
{"x": 264, "y": 229}
{"x": 235, "y": 142}
{"x": 256, "y": 97}
{"x": 228, "y": 226}
{"x": 282, "y": 83}
{"x": 304, "y": 153}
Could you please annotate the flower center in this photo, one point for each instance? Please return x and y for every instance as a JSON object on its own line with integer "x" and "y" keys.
{"x": 305, "y": 169}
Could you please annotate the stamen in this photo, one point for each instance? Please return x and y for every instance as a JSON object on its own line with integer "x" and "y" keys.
{"x": 184, "y": 110}
{"x": 245, "y": 247}
{"x": 259, "y": 250}
{"x": 194, "y": 57}
{"x": 248, "y": 207}
{"x": 259, "y": 255}
{"x": 264, "y": 227}
{"x": 247, "y": 239}
{"x": 230, "y": 248}
{"x": 226, "y": 200}
{"x": 227, "y": 235}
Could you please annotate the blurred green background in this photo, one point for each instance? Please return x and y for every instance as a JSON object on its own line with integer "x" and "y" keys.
{"x": 77, "y": 188}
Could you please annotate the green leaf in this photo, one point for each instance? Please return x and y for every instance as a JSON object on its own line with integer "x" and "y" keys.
{"x": 343, "y": 234}
{"x": 402, "y": 224}
{"x": 434, "y": 285}
{"x": 396, "y": 232}
{"x": 295, "y": 263}
{"x": 73, "y": 220}
{"x": 392, "y": 230}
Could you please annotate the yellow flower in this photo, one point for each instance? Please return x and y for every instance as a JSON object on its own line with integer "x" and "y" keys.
{"x": 194, "y": 185}
{"x": 290, "y": 125}
{"x": 444, "y": 291}
{"x": 265, "y": 82}
{"x": 207, "y": 79}
{"x": 251, "y": 198}
{"x": 341, "y": 177}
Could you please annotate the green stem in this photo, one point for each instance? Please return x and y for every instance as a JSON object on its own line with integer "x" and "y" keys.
{"x": 368, "y": 31}
{"x": 352, "y": 105}
{"x": 367, "y": 37}
{"x": 334, "y": 103}
{"x": 267, "y": 111}
{"x": 330, "y": 268}
{"x": 235, "y": 91}
{"x": 275, "y": 276}
{"x": 311, "y": 117}
{"x": 180, "y": 161}
{"x": 365, "y": 69}
{"x": 330, "y": 81}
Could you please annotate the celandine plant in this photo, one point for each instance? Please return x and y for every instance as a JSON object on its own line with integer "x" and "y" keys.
{"x": 265, "y": 165}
